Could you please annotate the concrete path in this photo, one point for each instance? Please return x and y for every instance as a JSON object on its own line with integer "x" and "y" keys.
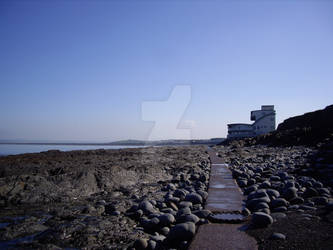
{"x": 224, "y": 196}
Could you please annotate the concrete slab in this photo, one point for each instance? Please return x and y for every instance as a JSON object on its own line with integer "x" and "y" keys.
{"x": 222, "y": 237}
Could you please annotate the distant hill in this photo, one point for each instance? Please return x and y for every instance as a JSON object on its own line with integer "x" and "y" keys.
{"x": 122, "y": 143}
{"x": 168, "y": 142}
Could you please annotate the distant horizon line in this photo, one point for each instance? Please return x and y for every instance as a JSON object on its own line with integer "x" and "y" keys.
{"x": 105, "y": 143}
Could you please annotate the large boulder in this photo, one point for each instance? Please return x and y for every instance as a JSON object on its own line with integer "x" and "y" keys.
{"x": 181, "y": 232}
{"x": 260, "y": 219}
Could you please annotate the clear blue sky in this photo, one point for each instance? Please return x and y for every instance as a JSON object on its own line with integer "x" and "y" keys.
{"x": 80, "y": 70}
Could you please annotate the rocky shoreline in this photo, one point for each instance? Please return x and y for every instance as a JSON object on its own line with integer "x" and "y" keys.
{"x": 290, "y": 207}
{"x": 103, "y": 199}
{"x": 153, "y": 198}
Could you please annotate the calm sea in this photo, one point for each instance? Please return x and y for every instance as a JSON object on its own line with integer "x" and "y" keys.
{"x": 14, "y": 149}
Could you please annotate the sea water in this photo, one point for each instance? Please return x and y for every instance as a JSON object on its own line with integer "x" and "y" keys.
{"x": 14, "y": 149}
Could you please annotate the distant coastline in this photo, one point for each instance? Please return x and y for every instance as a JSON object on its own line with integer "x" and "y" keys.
{"x": 121, "y": 143}
{"x": 17, "y": 147}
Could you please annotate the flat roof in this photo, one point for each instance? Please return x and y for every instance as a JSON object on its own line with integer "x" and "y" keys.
{"x": 234, "y": 124}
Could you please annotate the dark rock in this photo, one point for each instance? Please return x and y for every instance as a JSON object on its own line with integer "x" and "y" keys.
{"x": 166, "y": 219}
{"x": 173, "y": 206}
{"x": 183, "y": 204}
{"x": 181, "y": 232}
{"x": 152, "y": 245}
{"x": 146, "y": 207}
{"x": 277, "y": 216}
{"x": 203, "y": 194}
{"x": 202, "y": 213}
{"x": 194, "y": 198}
{"x": 260, "y": 219}
{"x": 183, "y": 211}
{"x": 297, "y": 200}
{"x": 246, "y": 212}
{"x": 140, "y": 244}
{"x": 188, "y": 218}
{"x": 265, "y": 184}
{"x": 179, "y": 193}
{"x": 310, "y": 192}
{"x": 100, "y": 209}
{"x": 251, "y": 204}
{"x": 273, "y": 193}
{"x": 279, "y": 202}
{"x": 280, "y": 209}
{"x": 320, "y": 200}
{"x": 261, "y": 205}
{"x": 165, "y": 230}
{"x": 278, "y": 236}
{"x": 290, "y": 193}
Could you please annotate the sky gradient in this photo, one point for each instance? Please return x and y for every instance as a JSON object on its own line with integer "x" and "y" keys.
{"x": 82, "y": 70}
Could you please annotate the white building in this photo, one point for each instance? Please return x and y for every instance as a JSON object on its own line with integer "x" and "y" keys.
{"x": 264, "y": 122}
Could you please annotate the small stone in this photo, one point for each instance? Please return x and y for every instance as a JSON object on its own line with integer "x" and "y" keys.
{"x": 276, "y": 216}
{"x": 150, "y": 225}
{"x": 273, "y": 193}
{"x": 166, "y": 219}
{"x": 242, "y": 183}
{"x": 290, "y": 193}
{"x": 261, "y": 205}
{"x": 324, "y": 191}
{"x": 203, "y": 194}
{"x": 202, "y": 213}
{"x": 264, "y": 210}
{"x": 158, "y": 238}
{"x": 194, "y": 198}
{"x": 260, "y": 193}
{"x": 101, "y": 202}
{"x": 146, "y": 207}
{"x": 250, "y": 189}
{"x": 88, "y": 209}
{"x": 305, "y": 207}
{"x": 265, "y": 184}
{"x": 183, "y": 204}
{"x": 280, "y": 209}
{"x": 115, "y": 213}
{"x": 189, "y": 218}
{"x": 165, "y": 230}
{"x": 171, "y": 186}
{"x": 152, "y": 244}
{"x": 294, "y": 207}
{"x": 251, "y": 204}
{"x": 183, "y": 211}
{"x": 297, "y": 200}
{"x": 279, "y": 202}
{"x": 140, "y": 244}
{"x": 320, "y": 200}
{"x": 173, "y": 206}
{"x": 179, "y": 193}
{"x": 275, "y": 178}
{"x": 246, "y": 212}
{"x": 278, "y": 236}
{"x": 310, "y": 192}
{"x": 100, "y": 209}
